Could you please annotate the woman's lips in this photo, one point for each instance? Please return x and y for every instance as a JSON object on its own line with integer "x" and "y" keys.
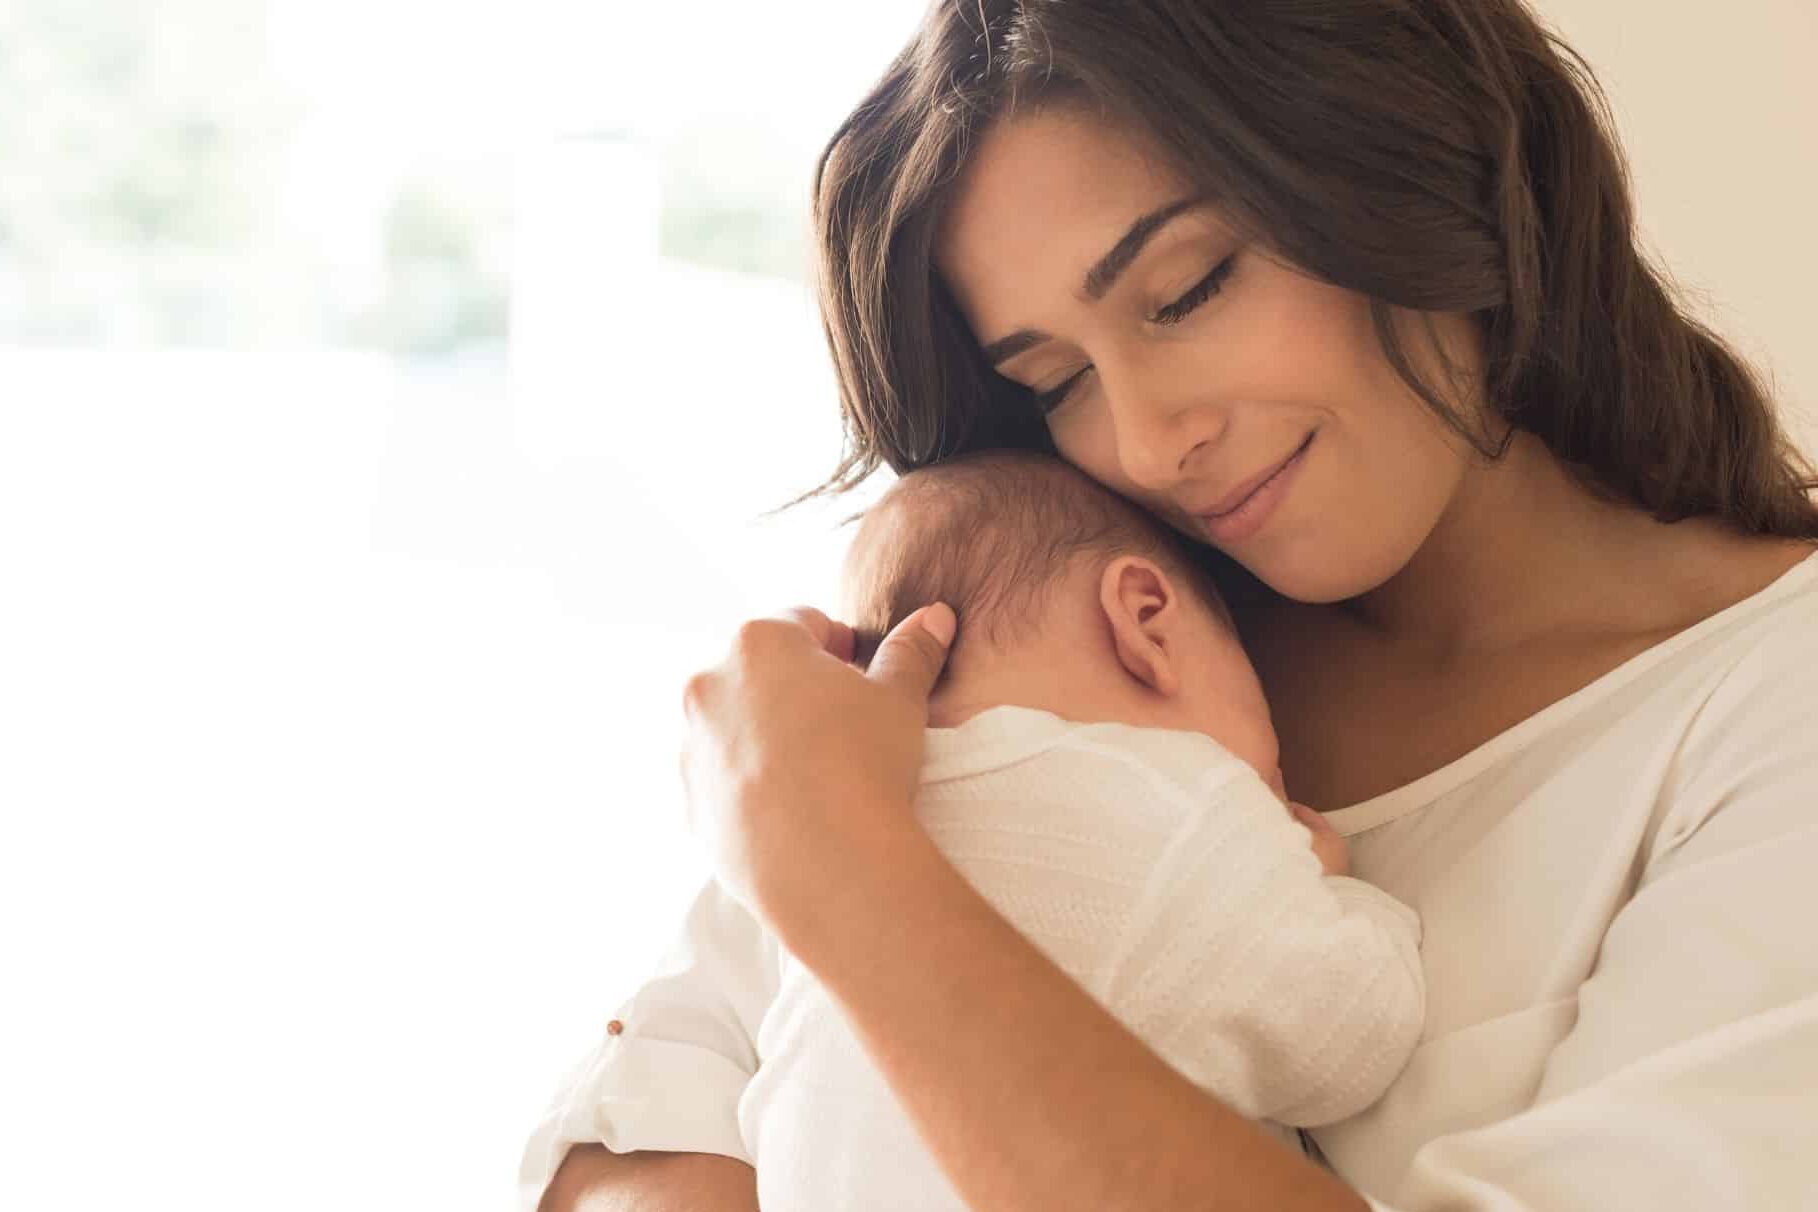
{"x": 1237, "y": 496}
{"x": 1253, "y": 509}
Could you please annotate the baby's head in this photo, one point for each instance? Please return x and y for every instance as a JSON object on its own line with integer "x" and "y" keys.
{"x": 1070, "y": 600}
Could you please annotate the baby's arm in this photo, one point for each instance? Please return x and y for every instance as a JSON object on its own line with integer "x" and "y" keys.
{"x": 1290, "y": 994}
{"x": 1328, "y": 844}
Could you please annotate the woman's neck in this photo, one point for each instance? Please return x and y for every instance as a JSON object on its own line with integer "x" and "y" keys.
{"x": 1526, "y": 550}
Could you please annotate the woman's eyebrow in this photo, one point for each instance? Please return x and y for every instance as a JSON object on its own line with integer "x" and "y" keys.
{"x": 1099, "y": 279}
{"x": 1103, "y": 276}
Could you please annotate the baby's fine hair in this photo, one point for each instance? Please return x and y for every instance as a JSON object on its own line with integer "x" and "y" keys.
{"x": 991, "y": 535}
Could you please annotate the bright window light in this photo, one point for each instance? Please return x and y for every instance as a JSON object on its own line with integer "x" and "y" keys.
{"x": 393, "y": 396}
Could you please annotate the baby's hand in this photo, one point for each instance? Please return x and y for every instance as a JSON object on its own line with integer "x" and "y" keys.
{"x": 1329, "y": 848}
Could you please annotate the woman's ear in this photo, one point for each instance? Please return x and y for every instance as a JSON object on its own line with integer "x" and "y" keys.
{"x": 1143, "y": 610}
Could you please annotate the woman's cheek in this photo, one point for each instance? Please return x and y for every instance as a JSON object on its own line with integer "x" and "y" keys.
{"x": 1376, "y": 514}
{"x": 1086, "y": 438}
{"x": 1332, "y": 539}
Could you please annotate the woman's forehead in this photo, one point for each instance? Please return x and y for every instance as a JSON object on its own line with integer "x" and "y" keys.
{"x": 1043, "y": 195}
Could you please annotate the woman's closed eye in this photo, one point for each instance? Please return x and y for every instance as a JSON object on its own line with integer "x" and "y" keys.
{"x": 1047, "y": 401}
{"x": 1197, "y": 294}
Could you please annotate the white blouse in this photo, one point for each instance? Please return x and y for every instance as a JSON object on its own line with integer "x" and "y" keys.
{"x": 1619, "y": 897}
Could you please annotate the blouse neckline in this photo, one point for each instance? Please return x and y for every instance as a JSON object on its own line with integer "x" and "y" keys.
{"x": 1381, "y": 809}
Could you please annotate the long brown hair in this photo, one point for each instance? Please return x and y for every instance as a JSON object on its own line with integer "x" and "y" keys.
{"x": 1437, "y": 155}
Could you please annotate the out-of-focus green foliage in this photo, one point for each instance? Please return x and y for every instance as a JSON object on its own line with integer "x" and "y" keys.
{"x": 439, "y": 296}
{"x": 733, "y": 200}
{"x": 144, "y": 153}
{"x": 139, "y": 147}
{"x": 152, "y": 193}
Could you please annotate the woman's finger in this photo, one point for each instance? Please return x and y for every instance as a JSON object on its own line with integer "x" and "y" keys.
{"x": 834, "y": 637}
{"x": 911, "y": 656}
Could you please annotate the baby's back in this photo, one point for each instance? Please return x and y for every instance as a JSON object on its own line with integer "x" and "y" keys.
{"x": 1161, "y": 874}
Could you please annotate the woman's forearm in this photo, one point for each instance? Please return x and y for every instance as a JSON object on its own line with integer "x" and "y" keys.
{"x": 1030, "y": 1095}
{"x": 594, "y": 1179}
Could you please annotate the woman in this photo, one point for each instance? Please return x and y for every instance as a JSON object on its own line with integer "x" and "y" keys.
{"x": 1348, "y": 290}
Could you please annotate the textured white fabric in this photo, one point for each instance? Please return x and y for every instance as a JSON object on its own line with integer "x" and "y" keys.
{"x": 1153, "y": 867}
{"x": 1617, "y": 899}
{"x": 1164, "y": 877}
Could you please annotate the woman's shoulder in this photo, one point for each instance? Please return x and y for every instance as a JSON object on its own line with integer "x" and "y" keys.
{"x": 1748, "y": 753}
{"x": 1772, "y": 632}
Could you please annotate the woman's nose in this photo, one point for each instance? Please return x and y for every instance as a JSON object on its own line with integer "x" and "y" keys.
{"x": 1162, "y": 427}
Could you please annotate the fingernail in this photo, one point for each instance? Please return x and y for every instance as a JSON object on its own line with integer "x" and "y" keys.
{"x": 938, "y": 621}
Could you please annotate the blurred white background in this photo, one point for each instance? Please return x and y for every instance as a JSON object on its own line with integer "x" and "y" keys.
{"x": 389, "y": 396}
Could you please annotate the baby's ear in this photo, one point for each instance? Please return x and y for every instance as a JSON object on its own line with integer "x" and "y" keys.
{"x": 1141, "y": 605}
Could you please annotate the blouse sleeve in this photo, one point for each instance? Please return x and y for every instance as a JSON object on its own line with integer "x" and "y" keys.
{"x": 1689, "y": 1081}
{"x": 674, "y": 1059}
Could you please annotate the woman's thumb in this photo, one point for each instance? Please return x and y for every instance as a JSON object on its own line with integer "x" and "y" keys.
{"x": 911, "y": 656}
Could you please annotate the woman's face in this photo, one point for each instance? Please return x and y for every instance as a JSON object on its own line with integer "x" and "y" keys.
{"x": 1181, "y": 366}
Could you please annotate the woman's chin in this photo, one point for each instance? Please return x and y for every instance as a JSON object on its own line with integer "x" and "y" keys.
{"x": 1315, "y": 578}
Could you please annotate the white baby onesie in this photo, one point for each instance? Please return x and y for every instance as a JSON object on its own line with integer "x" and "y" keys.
{"x": 1164, "y": 876}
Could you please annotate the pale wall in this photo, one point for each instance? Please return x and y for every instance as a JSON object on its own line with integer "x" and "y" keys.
{"x": 1718, "y": 108}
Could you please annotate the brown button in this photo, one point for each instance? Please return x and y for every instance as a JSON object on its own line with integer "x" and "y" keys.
{"x": 614, "y": 1027}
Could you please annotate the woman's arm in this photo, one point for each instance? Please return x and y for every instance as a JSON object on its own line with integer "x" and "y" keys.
{"x": 595, "y": 1179}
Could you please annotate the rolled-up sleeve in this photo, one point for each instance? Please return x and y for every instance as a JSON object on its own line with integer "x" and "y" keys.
{"x": 674, "y": 1060}
{"x": 1689, "y": 1079}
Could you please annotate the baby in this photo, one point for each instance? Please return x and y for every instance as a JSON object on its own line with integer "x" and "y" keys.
{"x": 1101, "y": 767}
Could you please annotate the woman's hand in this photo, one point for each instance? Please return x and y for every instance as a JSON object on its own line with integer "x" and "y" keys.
{"x": 797, "y": 764}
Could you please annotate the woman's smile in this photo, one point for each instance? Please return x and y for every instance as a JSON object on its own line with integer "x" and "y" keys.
{"x": 1204, "y": 421}
{"x": 1255, "y": 507}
